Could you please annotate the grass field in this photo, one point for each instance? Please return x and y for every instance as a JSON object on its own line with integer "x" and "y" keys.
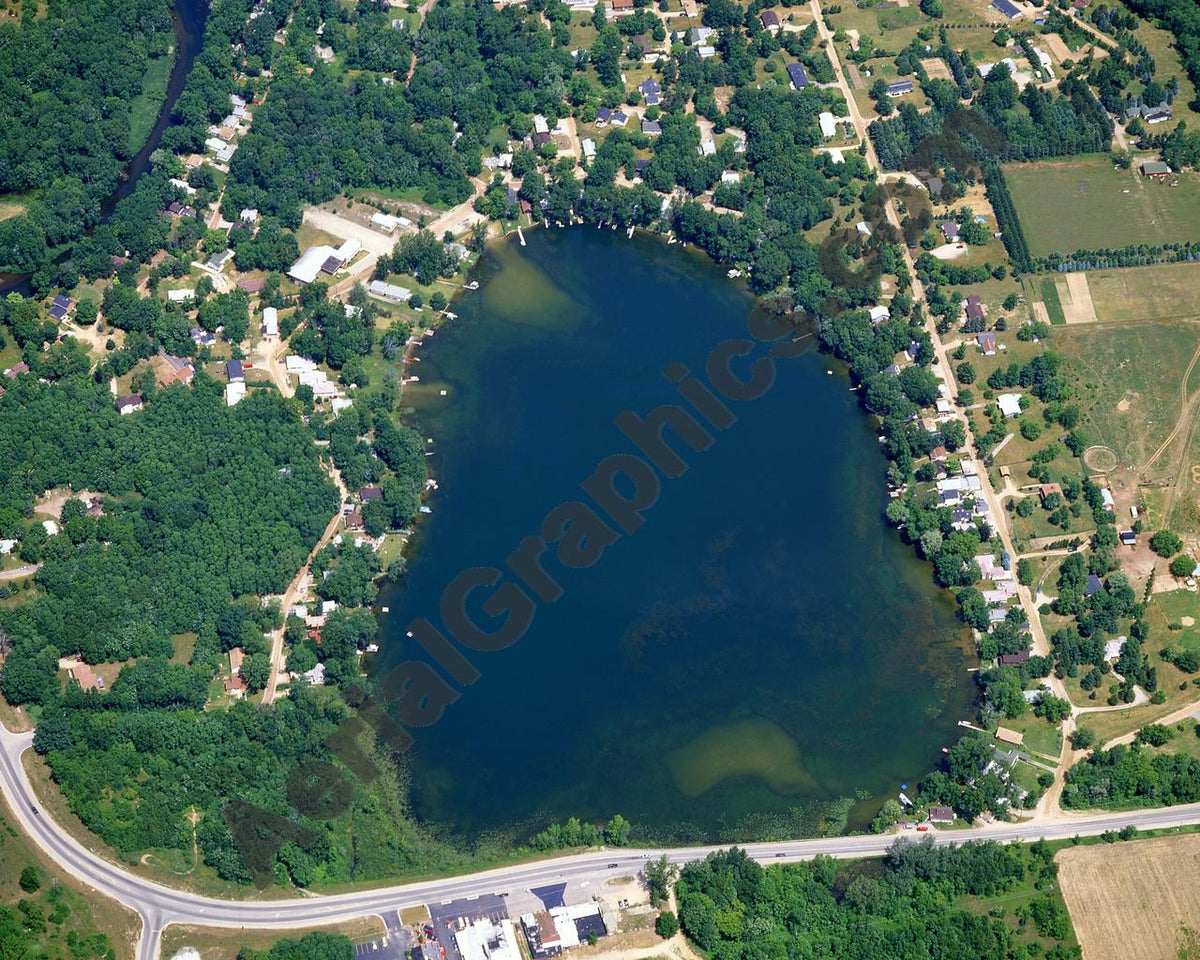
{"x": 1167, "y": 609}
{"x": 1127, "y": 381}
{"x": 1041, "y": 736}
{"x": 1161, "y": 46}
{"x": 1049, "y": 293}
{"x": 221, "y": 944}
{"x": 1138, "y": 893}
{"x": 1165, "y": 291}
{"x": 1086, "y": 203}
{"x": 144, "y": 108}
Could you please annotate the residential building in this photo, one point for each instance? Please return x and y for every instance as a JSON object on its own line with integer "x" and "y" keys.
{"x": 1155, "y": 169}
{"x": 828, "y": 124}
{"x": 899, "y": 88}
{"x": 270, "y": 324}
{"x": 388, "y": 291}
{"x": 769, "y": 19}
{"x": 130, "y": 403}
{"x": 1007, "y": 7}
{"x": 1010, "y": 404}
{"x": 179, "y": 296}
{"x": 305, "y": 269}
{"x": 987, "y": 344}
{"x": 950, "y": 231}
{"x": 234, "y": 371}
{"x": 798, "y": 77}
{"x": 940, "y": 814}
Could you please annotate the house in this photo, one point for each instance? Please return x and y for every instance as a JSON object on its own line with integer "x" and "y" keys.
{"x": 1106, "y": 498}
{"x": 385, "y": 221}
{"x": 236, "y": 657}
{"x": 1013, "y": 659}
{"x": 651, "y": 128}
{"x": 618, "y": 119}
{"x": 354, "y": 521}
{"x": 218, "y": 260}
{"x": 86, "y": 677}
{"x": 879, "y": 313}
{"x": 699, "y": 35}
{"x": 236, "y": 687}
{"x": 975, "y": 309}
{"x": 797, "y": 75}
{"x": 1010, "y": 404}
{"x": 620, "y": 8}
{"x": 234, "y": 371}
{"x": 235, "y": 393}
{"x": 1094, "y": 585}
{"x": 828, "y": 124}
{"x": 248, "y": 215}
{"x": 863, "y": 228}
{"x": 202, "y": 338}
{"x": 1154, "y": 169}
{"x": 1113, "y": 648}
{"x": 649, "y": 88}
{"x": 177, "y": 209}
{"x": 589, "y": 151}
{"x": 183, "y": 185}
{"x": 388, "y": 291}
{"x": 60, "y": 307}
{"x": 1047, "y": 490}
{"x": 254, "y": 285}
{"x": 270, "y": 324}
{"x": 179, "y": 370}
{"x": 603, "y": 116}
{"x": 180, "y": 296}
{"x": 366, "y": 494}
{"x": 540, "y": 125}
{"x": 1004, "y": 735}
{"x": 1007, "y": 8}
{"x": 1128, "y": 538}
{"x": 950, "y": 231}
{"x": 899, "y": 88}
{"x": 769, "y": 19}
{"x": 987, "y": 344}
{"x": 940, "y": 814}
{"x": 131, "y": 403}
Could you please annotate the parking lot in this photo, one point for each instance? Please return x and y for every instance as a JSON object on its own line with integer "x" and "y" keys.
{"x": 393, "y": 946}
{"x": 445, "y": 918}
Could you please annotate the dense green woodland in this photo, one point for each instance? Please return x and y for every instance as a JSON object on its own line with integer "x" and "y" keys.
{"x": 907, "y": 908}
{"x": 203, "y": 504}
{"x": 65, "y": 112}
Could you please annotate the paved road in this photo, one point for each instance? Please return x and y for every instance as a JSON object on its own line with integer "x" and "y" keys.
{"x": 160, "y": 906}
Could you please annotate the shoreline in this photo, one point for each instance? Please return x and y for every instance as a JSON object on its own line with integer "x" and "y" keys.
{"x": 958, "y": 638}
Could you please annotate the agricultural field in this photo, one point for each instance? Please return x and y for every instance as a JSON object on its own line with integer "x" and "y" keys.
{"x": 1165, "y": 291}
{"x": 1087, "y": 203}
{"x": 1132, "y": 893}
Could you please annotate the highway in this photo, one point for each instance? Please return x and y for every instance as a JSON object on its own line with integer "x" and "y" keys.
{"x": 158, "y": 905}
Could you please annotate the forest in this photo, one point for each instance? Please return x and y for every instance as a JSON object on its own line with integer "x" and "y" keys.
{"x": 906, "y": 908}
{"x": 65, "y": 114}
{"x": 1132, "y": 776}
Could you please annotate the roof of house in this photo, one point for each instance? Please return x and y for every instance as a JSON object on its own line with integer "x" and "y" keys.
{"x": 940, "y": 814}
{"x": 651, "y": 126}
{"x": 1094, "y": 585}
{"x": 1013, "y": 659}
{"x": 370, "y": 493}
{"x": 900, "y": 86}
{"x": 950, "y": 229}
{"x": 798, "y": 76}
{"x": 986, "y": 341}
{"x": 1155, "y": 168}
{"x": 131, "y": 400}
{"x": 1007, "y": 8}
{"x": 769, "y": 18}
{"x": 306, "y": 268}
{"x": 234, "y": 370}
{"x": 1004, "y": 735}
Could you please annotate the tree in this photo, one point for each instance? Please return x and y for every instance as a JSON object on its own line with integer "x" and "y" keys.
{"x": 1166, "y": 543}
{"x": 666, "y": 925}
{"x": 30, "y": 880}
{"x": 1182, "y": 566}
{"x": 660, "y": 875}
{"x": 1083, "y": 738}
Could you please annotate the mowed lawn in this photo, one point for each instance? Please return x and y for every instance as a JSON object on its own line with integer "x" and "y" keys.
{"x": 1164, "y": 291}
{"x": 1085, "y": 203}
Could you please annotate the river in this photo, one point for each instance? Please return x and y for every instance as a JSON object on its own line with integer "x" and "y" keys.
{"x": 187, "y": 20}
{"x": 763, "y": 646}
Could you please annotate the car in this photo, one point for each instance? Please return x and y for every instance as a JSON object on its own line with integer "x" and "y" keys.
{"x": 923, "y": 827}
{"x": 781, "y": 854}
{"x": 34, "y": 809}
{"x": 613, "y": 866}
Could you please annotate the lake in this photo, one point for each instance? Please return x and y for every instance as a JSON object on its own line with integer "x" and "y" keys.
{"x": 763, "y": 646}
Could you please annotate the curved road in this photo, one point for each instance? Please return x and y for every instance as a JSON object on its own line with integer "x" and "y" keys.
{"x": 159, "y": 906}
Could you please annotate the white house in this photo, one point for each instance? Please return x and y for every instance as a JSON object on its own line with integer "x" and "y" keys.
{"x": 270, "y": 324}
{"x": 828, "y": 124}
{"x": 1010, "y": 404}
{"x": 879, "y": 313}
{"x": 388, "y": 291}
{"x": 235, "y": 392}
{"x": 179, "y": 296}
{"x": 385, "y": 221}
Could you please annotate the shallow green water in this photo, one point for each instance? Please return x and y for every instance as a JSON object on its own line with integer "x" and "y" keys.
{"x": 761, "y": 646}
